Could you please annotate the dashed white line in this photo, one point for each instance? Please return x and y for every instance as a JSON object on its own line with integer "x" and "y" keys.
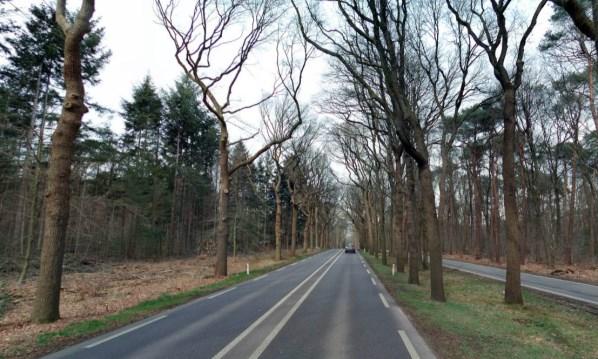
{"x": 383, "y": 300}
{"x": 125, "y": 332}
{"x": 373, "y": 281}
{"x": 293, "y": 264}
{"x": 410, "y": 348}
{"x": 367, "y": 270}
{"x": 221, "y": 293}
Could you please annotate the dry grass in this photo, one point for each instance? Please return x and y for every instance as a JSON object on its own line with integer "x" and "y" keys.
{"x": 110, "y": 289}
{"x": 579, "y": 272}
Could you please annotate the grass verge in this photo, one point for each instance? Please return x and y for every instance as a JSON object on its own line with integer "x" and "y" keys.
{"x": 474, "y": 322}
{"x": 75, "y": 332}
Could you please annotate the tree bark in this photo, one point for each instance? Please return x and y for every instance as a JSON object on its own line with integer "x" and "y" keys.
{"x": 400, "y": 247}
{"x": 278, "y": 219}
{"x": 293, "y": 227}
{"x": 413, "y": 259}
{"x": 494, "y": 215}
{"x": 223, "y": 194}
{"x": 513, "y": 283}
{"x": 568, "y": 250}
{"x": 47, "y": 298}
{"x": 431, "y": 232}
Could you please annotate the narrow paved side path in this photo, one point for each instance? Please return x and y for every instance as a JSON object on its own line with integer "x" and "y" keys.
{"x": 581, "y": 292}
{"x": 330, "y": 305}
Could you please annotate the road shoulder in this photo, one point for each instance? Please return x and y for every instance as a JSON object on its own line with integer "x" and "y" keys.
{"x": 419, "y": 344}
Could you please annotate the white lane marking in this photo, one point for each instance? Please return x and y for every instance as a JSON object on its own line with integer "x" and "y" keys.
{"x": 383, "y": 300}
{"x": 456, "y": 266}
{"x": 262, "y": 347}
{"x": 293, "y": 264}
{"x": 125, "y": 332}
{"x": 260, "y": 277}
{"x": 221, "y": 293}
{"x": 249, "y": 329}
{"x": 545, "y": 290}
{"x": 367, "y": 270}
{"x": 410, "y": 348}
{"x": 373, "y": 281}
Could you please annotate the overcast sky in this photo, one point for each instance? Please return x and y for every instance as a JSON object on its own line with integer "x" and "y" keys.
{"x": 140, "y": 47}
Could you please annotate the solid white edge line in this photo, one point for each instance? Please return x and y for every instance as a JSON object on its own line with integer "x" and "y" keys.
{"x": 522, "y": 273}
{"x": 410, "y": 348}
{"x": 260, "y": 277}
{"x": 124, "y": 332}
{"x": 224, "y": 351}
{"x": 559, "y": 294}
{"x": 373, "y": 281}
{"x": 262, "y": 347}
{"x": 221, "y": 293}
{"x": 293, "y": 264}
{"x": 383, "y": 300}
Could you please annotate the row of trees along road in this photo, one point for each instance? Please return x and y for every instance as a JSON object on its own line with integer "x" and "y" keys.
{"x": 454, "y": 136}
{"x": 153, "y": 190}
{"x": 447, "y": 126}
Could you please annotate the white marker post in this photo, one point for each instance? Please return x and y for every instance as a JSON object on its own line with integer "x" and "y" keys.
{"x": 247, "y": 268}
{"x": 394, "y": 269}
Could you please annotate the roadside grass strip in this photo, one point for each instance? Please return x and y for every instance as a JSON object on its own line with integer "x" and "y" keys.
{"x": 475, "y": 323}
{"x": 79, "y": 331}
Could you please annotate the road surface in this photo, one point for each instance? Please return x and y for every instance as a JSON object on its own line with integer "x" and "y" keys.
{"x": 330, "y": 305}
{"x": 584, "y": 293}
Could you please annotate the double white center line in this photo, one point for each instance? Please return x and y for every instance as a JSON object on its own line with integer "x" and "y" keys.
{"x": 260, "y": 349}
{"x": 222, "y": 353}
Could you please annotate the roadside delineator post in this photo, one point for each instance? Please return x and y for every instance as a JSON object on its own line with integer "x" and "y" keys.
{"x": 247, "y": 268}
{"x": 394, "y": 269}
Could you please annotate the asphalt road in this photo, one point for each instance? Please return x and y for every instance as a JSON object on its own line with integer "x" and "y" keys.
{"x": 585, "y": 293}
{"x": 330, "y": 305}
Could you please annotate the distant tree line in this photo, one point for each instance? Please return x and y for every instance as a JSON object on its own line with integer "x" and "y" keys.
{"x": 148, "y": 192}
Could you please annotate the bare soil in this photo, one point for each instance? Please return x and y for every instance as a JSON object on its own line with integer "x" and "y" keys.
{"x": 584, "y": 273}
{"x": 109, "y": 288}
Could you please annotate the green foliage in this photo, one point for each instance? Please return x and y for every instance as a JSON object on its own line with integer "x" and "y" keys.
{"x": 188, "y": 129}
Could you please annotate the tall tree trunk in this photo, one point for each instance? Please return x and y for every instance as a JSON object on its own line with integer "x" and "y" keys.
{"x": 293, "y": 226}
{"x": 382, "y": 224}
{"x": 278, "y": 219}
{"x": 399, "y": 237}
{"x": 413, "y": 259}
{"x": 477, "y": 203}
{"x": 431, "y": 232}
{"x": 47, "y": 298}
{"x": 568, "y": 250}
{"x": 494, "y": 215}
{"x": 513, "y": 283}
{"x": 35, "y": 187}
{"x": 306, "y": 234}
{"x": 26, "y": 185}
{"x": 220, "y": 269}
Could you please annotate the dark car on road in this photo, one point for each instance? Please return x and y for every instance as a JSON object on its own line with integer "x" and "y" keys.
{"x": 349, "y": 249}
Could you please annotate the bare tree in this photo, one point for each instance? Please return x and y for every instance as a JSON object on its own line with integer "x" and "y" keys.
{"x": 47, "y": 298}
{"x": 371, "y": 46}
{"x": 213, "y": 25}
{"x": 490, "y": 30}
